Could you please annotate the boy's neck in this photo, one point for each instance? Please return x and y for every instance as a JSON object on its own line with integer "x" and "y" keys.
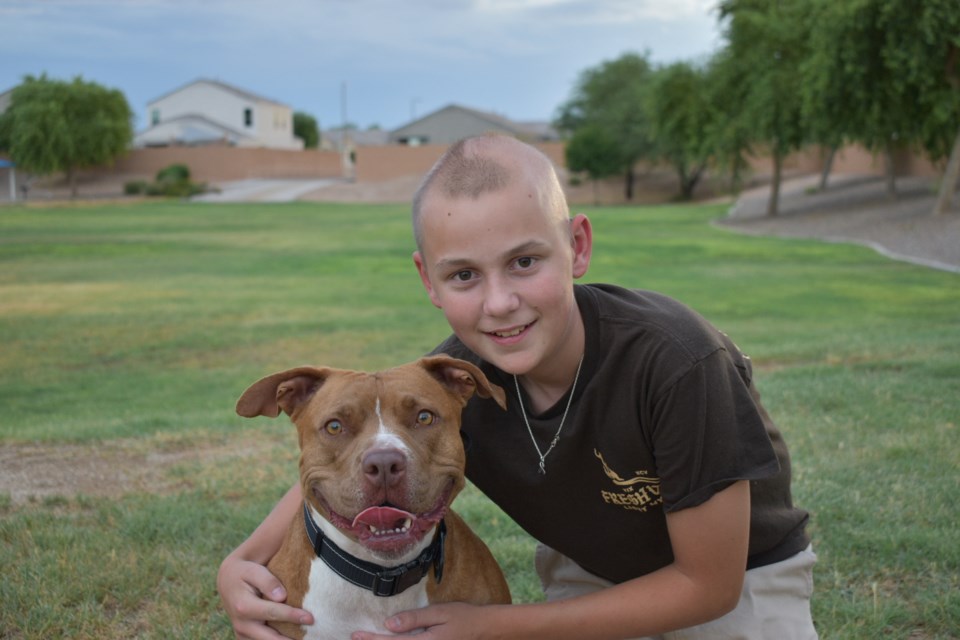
{"x": 546, "y": 389}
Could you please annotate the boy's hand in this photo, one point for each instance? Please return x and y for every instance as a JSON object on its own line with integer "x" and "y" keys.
{"x": 251, "y": 596}
{"x": 451, "y": 621}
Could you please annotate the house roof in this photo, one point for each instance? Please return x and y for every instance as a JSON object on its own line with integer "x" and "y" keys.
{"x": 191, "y": 132}
{"x": 539, "y": 130}
{"x": 492, "y": 118}
{"x": 243, "y": 93}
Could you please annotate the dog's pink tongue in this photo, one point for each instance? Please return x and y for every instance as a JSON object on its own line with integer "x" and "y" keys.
{"x": 383, "y": 518}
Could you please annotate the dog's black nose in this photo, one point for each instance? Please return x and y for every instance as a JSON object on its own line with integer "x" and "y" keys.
{"x": 384, "y": 467}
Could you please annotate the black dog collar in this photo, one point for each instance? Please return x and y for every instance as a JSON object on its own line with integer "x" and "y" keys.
{"x": 382, "y": 581}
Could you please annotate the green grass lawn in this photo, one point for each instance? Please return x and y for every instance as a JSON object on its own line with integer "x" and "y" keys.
{"x": 137, "y": 326}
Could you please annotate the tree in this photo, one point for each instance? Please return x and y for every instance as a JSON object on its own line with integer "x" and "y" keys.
{"x": 923, "y": 48}
{"x": 886, "y": 73}
{"x": 56, "y": 126}
{"x": 611, "y": 97}
{"x": 679, "y": 112}
{"x": 305, "y": 127}
{"x": 596, "y": 151}
{"x": 820, "y": 94}
{"x": 728, "y": 131}
{"x": 767, "y": 42}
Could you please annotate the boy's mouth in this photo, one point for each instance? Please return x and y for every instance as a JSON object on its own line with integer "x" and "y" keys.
{"x": 509, "y": 333}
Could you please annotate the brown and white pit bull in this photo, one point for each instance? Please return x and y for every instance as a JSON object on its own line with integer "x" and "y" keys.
{"x": 381, "y": 460}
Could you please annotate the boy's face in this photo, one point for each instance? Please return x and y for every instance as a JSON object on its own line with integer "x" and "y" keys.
{"x": 501, "y": 269}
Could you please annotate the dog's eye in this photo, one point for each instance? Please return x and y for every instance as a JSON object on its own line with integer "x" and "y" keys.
{"x": 425, "y": 418}
{"x": 334, "y": 427}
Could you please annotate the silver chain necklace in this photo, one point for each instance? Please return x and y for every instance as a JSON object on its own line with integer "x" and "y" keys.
{"x": 556, "y": 436}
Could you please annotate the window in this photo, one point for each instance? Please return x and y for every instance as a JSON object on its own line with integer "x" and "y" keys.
{"x": 248, "y": 117}
{"x": 155, "y": 117}
{"x": 414, "y": 141}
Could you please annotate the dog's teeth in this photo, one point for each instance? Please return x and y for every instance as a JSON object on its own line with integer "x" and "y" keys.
{"x": 404, "y": 528}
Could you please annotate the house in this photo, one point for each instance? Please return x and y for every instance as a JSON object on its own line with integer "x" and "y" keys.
{"x": 5, "y": 98}
{"x": 453, "y": 122}
{"x": 213, "y": 112}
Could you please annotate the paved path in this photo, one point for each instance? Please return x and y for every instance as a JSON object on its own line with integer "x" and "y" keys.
{"x": 263, "y": 190}
{"x": 856, "y": 209}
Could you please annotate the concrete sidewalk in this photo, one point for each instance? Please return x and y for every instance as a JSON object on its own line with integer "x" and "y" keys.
{"x": 856, "y": 209}
{"x": 264, "y": 190}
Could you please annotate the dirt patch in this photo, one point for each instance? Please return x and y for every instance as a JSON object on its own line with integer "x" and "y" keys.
{"x": 39, "y": 471}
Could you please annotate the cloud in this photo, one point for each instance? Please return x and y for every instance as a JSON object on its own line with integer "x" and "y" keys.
{"x": 605, "y": 11}
{"x": 516, "y": 57}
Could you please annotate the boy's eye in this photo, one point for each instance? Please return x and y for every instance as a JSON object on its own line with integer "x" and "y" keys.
{"x": 463, "y": 276}
{"x": 525, "y": 262}
{"x": 425, "y": 418}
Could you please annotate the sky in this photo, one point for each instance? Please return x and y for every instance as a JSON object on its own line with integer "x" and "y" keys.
{"x": 367, "y": 62}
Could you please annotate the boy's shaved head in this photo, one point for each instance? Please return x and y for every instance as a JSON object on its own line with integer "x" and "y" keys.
{"x": 474, "y": 166}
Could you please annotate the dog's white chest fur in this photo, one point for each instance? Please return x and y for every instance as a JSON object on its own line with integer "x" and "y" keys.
{"x": 340, "y": 608}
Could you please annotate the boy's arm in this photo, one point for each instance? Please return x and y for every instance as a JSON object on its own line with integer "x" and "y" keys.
{"x": 251, "y": 594}
{"x": 703, "y": 583}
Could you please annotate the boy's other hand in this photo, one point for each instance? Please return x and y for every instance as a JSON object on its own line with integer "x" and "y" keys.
{"x": 251, "y": 596}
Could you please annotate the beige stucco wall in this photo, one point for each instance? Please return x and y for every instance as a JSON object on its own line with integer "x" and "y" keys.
{"x": 384, "y": 164}
{"x": 852, "y": 159}
{"x": 214, "y": 163}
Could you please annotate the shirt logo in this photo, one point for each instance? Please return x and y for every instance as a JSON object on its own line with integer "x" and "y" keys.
{"x": 638, "y": 493}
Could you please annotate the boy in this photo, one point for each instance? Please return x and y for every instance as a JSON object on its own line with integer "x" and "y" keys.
{"x": 635, "y": 449}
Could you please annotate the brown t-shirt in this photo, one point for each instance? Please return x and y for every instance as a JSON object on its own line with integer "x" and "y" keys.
{"x": 664, "y": 416}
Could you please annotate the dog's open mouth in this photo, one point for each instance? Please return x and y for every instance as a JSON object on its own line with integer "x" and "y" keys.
{"x": 389, "y": 528}
{"x": 384, "y": 521}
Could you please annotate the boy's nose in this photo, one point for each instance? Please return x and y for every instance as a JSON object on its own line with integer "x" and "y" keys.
{"x": 500, "y": 299}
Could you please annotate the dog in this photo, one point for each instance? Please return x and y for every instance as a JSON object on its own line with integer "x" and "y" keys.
{"x": 381, "y": 460}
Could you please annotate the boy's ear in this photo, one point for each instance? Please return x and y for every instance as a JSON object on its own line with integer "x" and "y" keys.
{"x": 581, "y": 234}
{"x": 425, "y": 278}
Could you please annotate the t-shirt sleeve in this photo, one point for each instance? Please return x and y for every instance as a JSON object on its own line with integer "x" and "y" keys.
{"x": 707, "y": 433}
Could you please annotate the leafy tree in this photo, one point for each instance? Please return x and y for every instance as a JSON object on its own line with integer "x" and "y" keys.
{"x": 596, "y": 151}
{"x": 923, "y": 50}
{"x": 611, "y": 97}
{"x": 679, "y": 113}
{"x": 819, "y": 93}
{"x": 767, "y": 42}
{"x": 886, "y": 75}
{"x": 305, "y": 127}
{"x": 56, "y": 126}
{"x": 728, "y": 131}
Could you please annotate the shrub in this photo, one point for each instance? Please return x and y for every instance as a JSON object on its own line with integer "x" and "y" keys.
{"x": 172, "y": 181}
{"x": 174, "y": 173}
{"x": 135, "y": 187}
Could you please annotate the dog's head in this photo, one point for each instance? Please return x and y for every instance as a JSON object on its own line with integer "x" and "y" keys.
{"x": 381, "y": 453}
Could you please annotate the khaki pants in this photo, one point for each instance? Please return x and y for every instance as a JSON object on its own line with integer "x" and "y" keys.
{"x": 774, "y": 603}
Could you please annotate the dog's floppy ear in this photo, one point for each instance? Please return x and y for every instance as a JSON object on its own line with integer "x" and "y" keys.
{"x": 463, "y": 377}
{"x": 285, "y": 390}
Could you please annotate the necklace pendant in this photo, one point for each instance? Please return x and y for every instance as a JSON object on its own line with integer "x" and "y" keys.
{"x": 563, "y": 418}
